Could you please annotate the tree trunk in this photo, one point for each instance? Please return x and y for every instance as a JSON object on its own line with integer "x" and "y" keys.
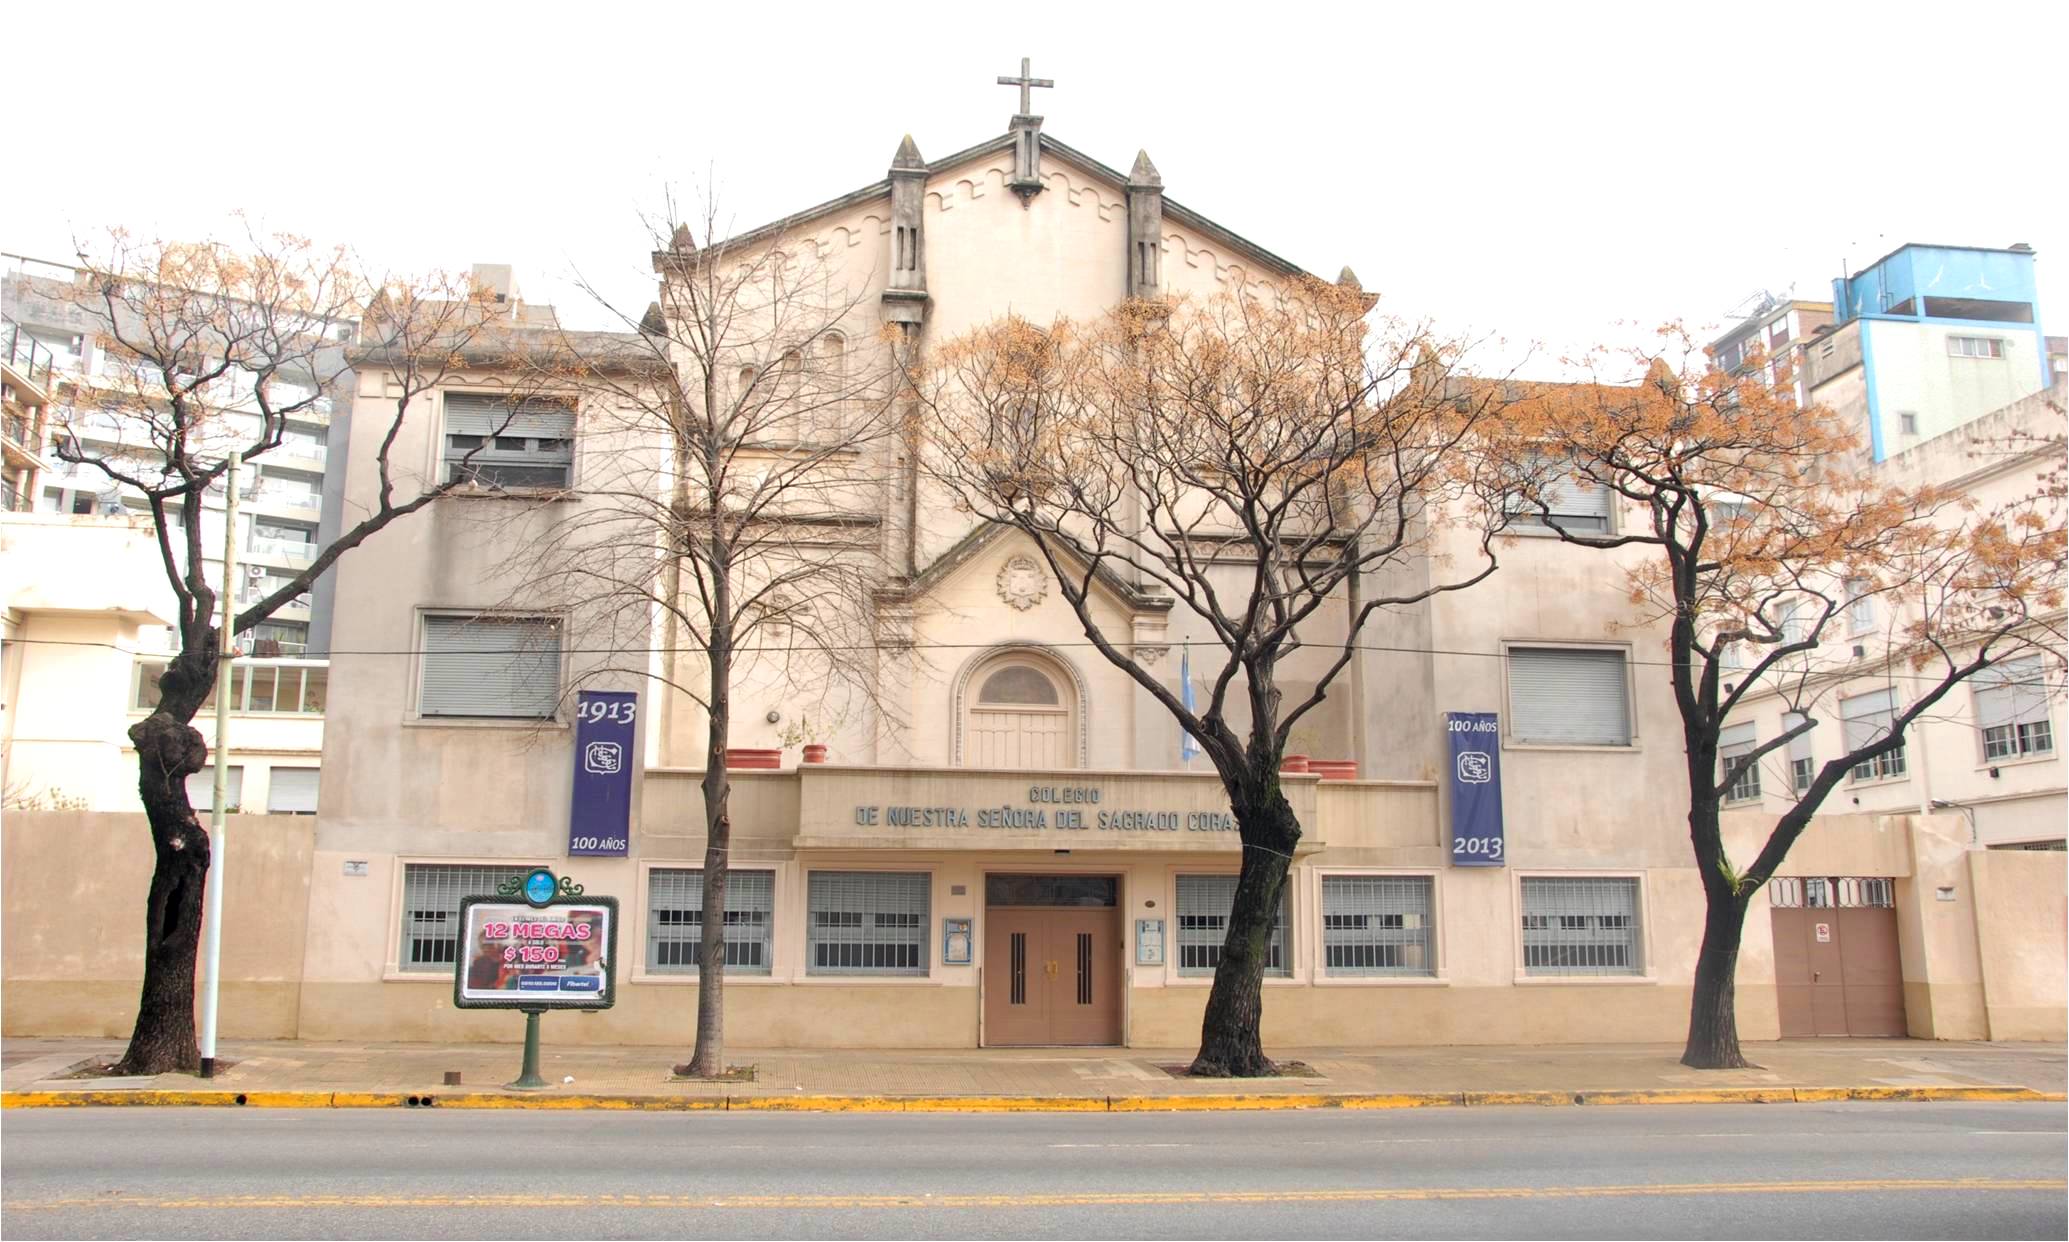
{"x": 169, "y": 750}
{"x": 1231, "y": 1045}
{"x": 708, "y": 1057}
{"x": 1713, "y": 1028}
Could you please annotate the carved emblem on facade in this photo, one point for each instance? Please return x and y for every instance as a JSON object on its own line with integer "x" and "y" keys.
{"x": 1022, "y": 583}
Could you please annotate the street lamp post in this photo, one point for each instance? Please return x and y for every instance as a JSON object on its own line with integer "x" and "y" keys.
{"x": 218, "y": 821}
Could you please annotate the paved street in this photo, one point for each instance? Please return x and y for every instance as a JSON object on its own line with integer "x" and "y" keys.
{"x": 1841, "y": 1170}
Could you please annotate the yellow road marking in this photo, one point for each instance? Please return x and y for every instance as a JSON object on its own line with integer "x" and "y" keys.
{"x": 1147, "y": 1198}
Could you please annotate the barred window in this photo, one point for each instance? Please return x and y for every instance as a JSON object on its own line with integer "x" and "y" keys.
{"x": 675, "y": 920}
{"x": 431, "y": 894}
{"x": 1377, "y": 925}
{"x": 867, "y": 923}
{"x": 1202, "y": 916}
{"x": 1868, "y": 718}
{"x": 1734, "y": 742}
{"x": 1581, "y": 926}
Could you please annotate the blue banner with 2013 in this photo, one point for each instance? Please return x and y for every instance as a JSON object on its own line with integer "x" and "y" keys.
{"x": 1476, "y": 826}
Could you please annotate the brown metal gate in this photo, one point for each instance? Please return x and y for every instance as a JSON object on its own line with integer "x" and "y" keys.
{"x": 1837, "y": 970}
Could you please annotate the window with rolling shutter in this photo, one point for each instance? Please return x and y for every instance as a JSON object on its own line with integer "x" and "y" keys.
{"x": 1867, "y": 718}
{"x": 1802, "y": 759}
{"x": 2012, "y": 709}
{"x": 1571, "y": 696}
{"x": 292, "y": 791}
{"x": 1733, "y": 742}
{"x": 1577, "y": 505}
{"x": 497, "y": 443}
{"x": 201, "y": 789}
{"x": 493, "y": 666}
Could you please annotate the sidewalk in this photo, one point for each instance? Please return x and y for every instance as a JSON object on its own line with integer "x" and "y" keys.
{"x": 1105, "y": 1078}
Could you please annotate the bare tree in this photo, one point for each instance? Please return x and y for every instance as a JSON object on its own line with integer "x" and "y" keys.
{"x": 216, "y": 348}
{"x": 737, "y": 507}
{"x": 1765, "y": 532}
{"x": 1284, "y": 473}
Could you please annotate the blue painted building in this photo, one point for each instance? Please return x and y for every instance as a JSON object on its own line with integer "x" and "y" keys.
{"x": 1929, "y": 338}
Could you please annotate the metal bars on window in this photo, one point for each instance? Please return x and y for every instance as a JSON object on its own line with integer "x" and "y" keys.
{"x": 867, "y": 923}
{"x": 675, "y": 920}
{"x": 1817, "y": 892}
{"x": 1377, "y": 925}
{"x": 431, "y": 894}
{"x": 1581, "y": 926}
{"x": 1202, "y": 917}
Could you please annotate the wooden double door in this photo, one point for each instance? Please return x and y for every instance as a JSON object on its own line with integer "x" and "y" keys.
{"x": 1052, "y": 975}
{"x": 1837, "y": 971}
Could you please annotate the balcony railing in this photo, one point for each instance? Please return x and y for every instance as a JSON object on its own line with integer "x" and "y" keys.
{"x": 17, "y": 428}
{"x": 28, "y": 356}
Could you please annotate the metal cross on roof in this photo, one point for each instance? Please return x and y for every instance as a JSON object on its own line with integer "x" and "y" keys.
{"x": 1025, "y": 83}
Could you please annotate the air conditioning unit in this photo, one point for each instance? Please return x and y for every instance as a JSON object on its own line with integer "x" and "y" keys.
{"x": 254, "y": 572}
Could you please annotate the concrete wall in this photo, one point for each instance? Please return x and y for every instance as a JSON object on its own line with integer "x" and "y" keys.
{"x": 314, "y": 927}
{"x": 2021, "y": 916}
{"x": 75, "y": 885}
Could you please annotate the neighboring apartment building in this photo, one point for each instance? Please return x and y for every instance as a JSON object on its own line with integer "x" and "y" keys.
{"x": 25, "y": 378}
{"x": 1993, "y": 751}
{"x": 88, "y": 544}
{"x": 1773, "y": 334}
{"x": 1929, "y": 338}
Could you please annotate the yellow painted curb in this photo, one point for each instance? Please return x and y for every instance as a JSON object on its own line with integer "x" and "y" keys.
{"x": 996, "y": 1104}
{"x": 1691, "y": 1095}
{"x": 1009, "y": 1104}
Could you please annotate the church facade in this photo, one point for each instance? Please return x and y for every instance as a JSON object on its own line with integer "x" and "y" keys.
{"x": 1007, "y": 844}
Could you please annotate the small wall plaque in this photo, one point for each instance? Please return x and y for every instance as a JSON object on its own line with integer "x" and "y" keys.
{"x": 355, "y": 866}
{"x": 1149, "y": 942}
{"x": 955, "y": 942}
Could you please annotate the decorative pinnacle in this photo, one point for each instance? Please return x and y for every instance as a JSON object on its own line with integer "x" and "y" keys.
{"x": 1144, "y": 173}
{"x": 908, "y": 155}
{"x": 680, "y": 240}
{"x": 1348, "y": 278}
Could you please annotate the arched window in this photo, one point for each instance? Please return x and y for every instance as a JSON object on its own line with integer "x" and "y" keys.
{"x": 1020, "y": 711}
{"x": 1018, "y": 685}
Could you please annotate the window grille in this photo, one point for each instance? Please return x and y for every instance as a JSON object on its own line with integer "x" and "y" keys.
{"x": 431, "y": 894}
{"x": 1580, "y": 926}
{"x": 1868, "y": 718}
{"x": 496, "y": 443}
{"x": 867, "y": 923}
{"x": 1202, "y": 918}
{"x": 1569, "y": 696}
{"x": 1733, "y": 742}
{"x": 491, "y": 666}
{"x": 2012, "y": 709}
{"x": 1828, "y": 892}
{"x": 675, "y": 920}
{"x": 1377, "y": 925}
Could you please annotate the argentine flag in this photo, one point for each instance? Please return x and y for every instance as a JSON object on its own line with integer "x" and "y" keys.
{"x": 1188, "y": 746}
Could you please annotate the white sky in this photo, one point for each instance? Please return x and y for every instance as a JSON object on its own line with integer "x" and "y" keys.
{"x": 1555, "y": 173}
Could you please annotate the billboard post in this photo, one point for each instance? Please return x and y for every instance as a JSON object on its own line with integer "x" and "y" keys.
{"x": 538, "y": 944}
